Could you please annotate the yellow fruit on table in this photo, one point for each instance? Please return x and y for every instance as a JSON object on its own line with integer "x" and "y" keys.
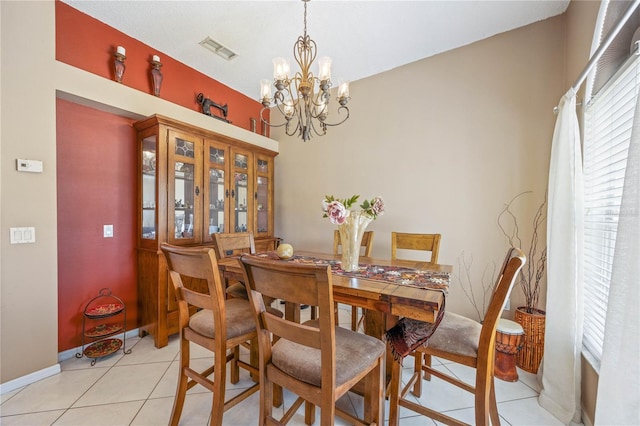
{"x": 285, "y": 251}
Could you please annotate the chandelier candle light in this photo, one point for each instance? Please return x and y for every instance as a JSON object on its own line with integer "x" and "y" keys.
{"x": 351, "y": 224}
{"x": 305, "y": 108}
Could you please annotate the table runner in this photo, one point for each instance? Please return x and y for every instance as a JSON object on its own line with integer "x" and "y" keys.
{"x": 432, "y": 280}
{"x": 408, "y": 333}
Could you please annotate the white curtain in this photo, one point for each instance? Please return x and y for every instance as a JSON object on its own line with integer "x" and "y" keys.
{"x": 619, "y": 383}
{"x": 560, "y": 393}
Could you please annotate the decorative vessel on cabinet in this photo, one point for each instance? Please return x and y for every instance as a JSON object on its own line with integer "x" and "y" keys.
{"x": 193, "y": 183}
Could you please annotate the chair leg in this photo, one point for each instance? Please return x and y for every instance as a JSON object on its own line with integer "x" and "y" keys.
{"x": 394, "y": 394}
{"x": 427, "y": 362}
{"x": 374, "y": 394}
{"x": 314, "y": 312}
{"x": 234, "y": 369}
{"x": 219, "y": 382}
{"x": 266, "y": 400}
{"x": 417, "y": 369}
{"x": 483, "y": 391}
{"x": 354, "y": 318}
{"x": 181, "y": 391}
{"x": 309, "y": 413}
{"x": 493, "y": 406}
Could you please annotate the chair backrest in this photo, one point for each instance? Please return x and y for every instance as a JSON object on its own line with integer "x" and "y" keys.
{"x": 301, "y": 284}
{"x": 423, "y": 242}
{"x": 233, "y": 244}
{"x": 194, "y": 272}
{"x": 367, "y": 243}
{"x": 513, "y": 263}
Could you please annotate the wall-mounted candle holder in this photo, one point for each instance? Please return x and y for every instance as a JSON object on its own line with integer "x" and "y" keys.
{"x": 118, "y": 63}
{"x": 156, "y": 75}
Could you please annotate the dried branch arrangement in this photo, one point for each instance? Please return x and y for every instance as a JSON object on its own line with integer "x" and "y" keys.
{"x": 478, "y": 301}
{"x": 531, "y": 275}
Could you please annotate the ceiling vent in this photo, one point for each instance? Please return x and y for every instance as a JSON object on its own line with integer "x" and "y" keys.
{"x": 218, "y": 48}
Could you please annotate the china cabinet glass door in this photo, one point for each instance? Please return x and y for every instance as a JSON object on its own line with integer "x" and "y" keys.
{"x": 149, "y": 216}
{"x": 217, "y": 193}
{"x": 263, "y": 202}
{"x": 241, "y": 191}
{"x": 185, "y": 192}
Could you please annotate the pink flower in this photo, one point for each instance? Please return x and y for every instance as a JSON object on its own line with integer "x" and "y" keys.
{"x": 377, "y": 206}
{"x": 337, "y": 212}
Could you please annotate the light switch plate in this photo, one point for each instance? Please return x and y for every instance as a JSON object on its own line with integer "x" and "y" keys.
{"x": 23, "y": 235}
{"x": 108, "y": 231}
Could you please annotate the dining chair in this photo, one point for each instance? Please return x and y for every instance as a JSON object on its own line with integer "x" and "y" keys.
{"x": 316, "y": 360}
{"x": 367, "y": 245}
{"x": 234, "y": 244}
{"x": 463, "y": 341}
{"x": 422, "y": 242}
{"x": 207, "y": 319}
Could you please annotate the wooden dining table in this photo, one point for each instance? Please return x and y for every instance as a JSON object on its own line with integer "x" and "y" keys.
{"x": 385, "y": 301}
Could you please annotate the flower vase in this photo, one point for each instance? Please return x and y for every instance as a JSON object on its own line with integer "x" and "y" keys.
{"x": 351, "y": 232}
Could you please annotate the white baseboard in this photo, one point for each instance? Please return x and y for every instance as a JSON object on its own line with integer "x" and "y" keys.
{"x": 49, "y": 371}
{"x": 29, "y": 378}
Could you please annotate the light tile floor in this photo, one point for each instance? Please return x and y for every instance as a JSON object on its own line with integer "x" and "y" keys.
{"x": 138, "y": 389}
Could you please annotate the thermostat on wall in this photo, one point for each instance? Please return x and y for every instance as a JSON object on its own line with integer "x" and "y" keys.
{"x": 33, "y": 166}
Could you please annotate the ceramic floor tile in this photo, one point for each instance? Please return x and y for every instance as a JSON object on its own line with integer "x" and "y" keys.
{"x": 124, "y": 383}
{"x": 145, "y": 352}
{"x": 438, "y": 394}
{"x": 155, "y": 412}
{"x": 504, "y": 390}
{"x": 526, "y": 412}
{"x": 529, "y": 379}
{"x": 31, "y": 419}
{"x": 101, "y": 415}
{"x": 6, "y": 396}
{"x": 56, "y": 392}
{"x": 468, "y": 415}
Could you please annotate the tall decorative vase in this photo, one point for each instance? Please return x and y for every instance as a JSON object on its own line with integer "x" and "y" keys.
{"x": 533, "y": 324}
{"x": 351, "y": 232}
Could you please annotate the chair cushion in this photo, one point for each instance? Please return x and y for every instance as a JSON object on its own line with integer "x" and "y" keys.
{"x": 354, "y": 353}
{"x": 457, "y": 334}
{"x": 238, "y": 291}
{"x": 239, "y": 317}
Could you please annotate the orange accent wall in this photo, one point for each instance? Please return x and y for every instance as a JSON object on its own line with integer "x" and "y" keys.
{"x": 96, "y": 165}
{"x": 88, "y": 44}
{"x": 96, "y": 181}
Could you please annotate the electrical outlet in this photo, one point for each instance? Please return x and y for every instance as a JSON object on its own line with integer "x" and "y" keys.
{"x": 108, "y": 231}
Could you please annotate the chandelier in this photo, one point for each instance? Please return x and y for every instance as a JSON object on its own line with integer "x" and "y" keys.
{"x": 304, "y": 107}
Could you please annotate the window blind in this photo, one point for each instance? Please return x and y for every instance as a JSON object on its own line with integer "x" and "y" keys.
{"x": 607, "y": 131}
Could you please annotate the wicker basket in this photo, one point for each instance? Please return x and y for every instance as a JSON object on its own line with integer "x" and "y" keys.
{"x": 533, "y": 324}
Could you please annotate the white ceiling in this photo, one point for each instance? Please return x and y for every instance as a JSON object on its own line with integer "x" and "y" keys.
{"x": 362, "y": 37}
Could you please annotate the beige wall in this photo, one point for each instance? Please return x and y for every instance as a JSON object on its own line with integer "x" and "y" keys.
{"x": 446, "y": 141}
{"x": 28, "y": 278}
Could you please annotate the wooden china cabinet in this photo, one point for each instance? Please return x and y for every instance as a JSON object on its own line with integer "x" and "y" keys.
{"x": 192, "y": 183}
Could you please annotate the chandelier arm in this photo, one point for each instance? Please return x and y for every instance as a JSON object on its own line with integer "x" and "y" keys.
{"x": 268, "y": 123}
{"x": 339, "y": 122}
